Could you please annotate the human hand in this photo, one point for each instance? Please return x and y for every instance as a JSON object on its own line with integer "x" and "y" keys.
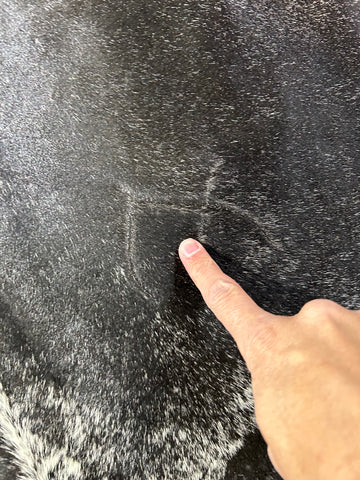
{"x": 305, "y": 372}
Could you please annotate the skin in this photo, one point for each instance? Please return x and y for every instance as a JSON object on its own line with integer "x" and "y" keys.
{"x": 305, "y": 372}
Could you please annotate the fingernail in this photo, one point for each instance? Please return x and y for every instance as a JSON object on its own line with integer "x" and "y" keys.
{"x": 189, "y": 247}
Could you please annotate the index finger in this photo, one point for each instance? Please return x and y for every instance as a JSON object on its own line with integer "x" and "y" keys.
{"x": 249, "y": 324}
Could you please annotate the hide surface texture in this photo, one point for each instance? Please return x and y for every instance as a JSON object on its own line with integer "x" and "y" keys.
{"x": 127, "y": 126}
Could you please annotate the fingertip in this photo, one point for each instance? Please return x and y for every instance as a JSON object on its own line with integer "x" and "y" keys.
{"x": 189, "y": 247}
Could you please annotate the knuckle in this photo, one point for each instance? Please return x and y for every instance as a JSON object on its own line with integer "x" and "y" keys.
{"x": 259, "y": 347}
{"x": 319, "y": 308}
{"x": 307, "y": 361}
{"x": 296, "y": 357}
{"x": 263, "y": 339}
{"x": 221, "y": 291}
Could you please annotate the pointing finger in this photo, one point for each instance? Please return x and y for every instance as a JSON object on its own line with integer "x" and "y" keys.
{"x": 249, "y": 324}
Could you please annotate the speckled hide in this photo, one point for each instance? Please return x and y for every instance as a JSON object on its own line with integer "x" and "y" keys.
{"x": 126, "y": 127}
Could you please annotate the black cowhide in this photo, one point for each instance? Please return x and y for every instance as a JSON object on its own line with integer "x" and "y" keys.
{"x": 127, "y": 126}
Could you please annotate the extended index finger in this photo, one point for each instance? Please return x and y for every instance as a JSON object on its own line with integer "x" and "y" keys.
{"x": 248, "y": 323}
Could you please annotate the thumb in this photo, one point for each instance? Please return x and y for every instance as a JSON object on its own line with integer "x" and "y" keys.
{"x": 250, "y": 325}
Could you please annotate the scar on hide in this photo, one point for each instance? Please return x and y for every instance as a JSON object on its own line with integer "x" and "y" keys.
{"x": 209, "y": 187}
{"x": 164, "y": 202}
{"x": 130, "y": 239}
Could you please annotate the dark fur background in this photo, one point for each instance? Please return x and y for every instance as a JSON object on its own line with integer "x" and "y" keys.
{"x": 127, "y": 126}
